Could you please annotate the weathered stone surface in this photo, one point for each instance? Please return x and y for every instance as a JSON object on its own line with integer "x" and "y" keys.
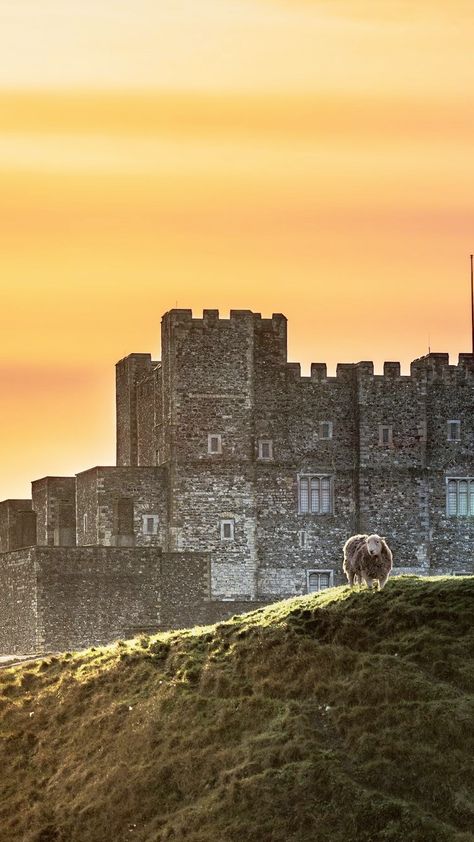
{"x": 58, "y": 598}
{"x": 230, "y": 378}
{"x": 99, "y": 493}
{"x": 54, "y": 501}
{"x": 19, "y": 628}
{"x": 17, "y": 525}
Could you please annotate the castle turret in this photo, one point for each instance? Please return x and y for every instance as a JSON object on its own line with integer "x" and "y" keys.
{"x": 128, "y": 373}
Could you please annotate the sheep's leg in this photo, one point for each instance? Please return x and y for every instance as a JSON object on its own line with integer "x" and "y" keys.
{"x": 382, "y": 581}
{"x": 351, "y": 576}
{"x": 368, "y": 581}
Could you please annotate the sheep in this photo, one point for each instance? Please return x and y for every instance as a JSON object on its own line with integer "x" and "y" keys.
{"x": 367, "y": 557}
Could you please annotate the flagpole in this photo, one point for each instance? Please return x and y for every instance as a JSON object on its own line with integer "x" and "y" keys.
{"x": 472, "y": 303}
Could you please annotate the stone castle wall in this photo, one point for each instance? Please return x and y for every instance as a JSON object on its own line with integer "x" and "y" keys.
{"x": 100, "y": 493}
{"x": 19, "y": 626}
{"x": 58, "y": 598}
{"x": 230, "y": 377}
{"x": 214, "y": 445}
{"x": 54, "y": 501}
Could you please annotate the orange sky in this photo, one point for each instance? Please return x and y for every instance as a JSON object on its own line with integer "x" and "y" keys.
{"x": 312, "y": 158}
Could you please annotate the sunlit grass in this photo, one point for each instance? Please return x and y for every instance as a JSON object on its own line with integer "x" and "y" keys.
{"x": 343, "y": 716}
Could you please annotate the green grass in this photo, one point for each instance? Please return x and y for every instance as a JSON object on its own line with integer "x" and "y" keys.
{"x": 340, "y": 717}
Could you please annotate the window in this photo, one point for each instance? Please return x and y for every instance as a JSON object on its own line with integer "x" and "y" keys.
{"x": 325, "y": 430}
{"x": 227, "y": 530}
{"x": 303, "y": 538}
{"x": 315, "y": 494}
{"x": 385, "y": 435}
{"x": 214, "y": 443}
{"x": 84, "y": 523}
{"x": 454, "y": 431}
{"x": 460, "y": 496}
{"x": 150, "y": 524}
{"x": 265, "y": 449}
{"x": 319, "y": 580}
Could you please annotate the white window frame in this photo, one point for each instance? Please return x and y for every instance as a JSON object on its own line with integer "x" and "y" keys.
{"x": 309, "y": 479}
{"x": 458, "y": 429}
{"x": 218, "y": 437}
{"x": 85, "y": 523}
{"x": 470, "y": 496}
{"x": 330, "y": 429}
{"x": 227, "y": 522}
{"x": 388, "y": 427}
{"x": 261, "y": 443}
{"x": 319, "y": 573}
{"x": 156, "y": 521}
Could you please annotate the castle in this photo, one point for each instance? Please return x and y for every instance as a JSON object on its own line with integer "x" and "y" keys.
{"x": 237, "y": 483}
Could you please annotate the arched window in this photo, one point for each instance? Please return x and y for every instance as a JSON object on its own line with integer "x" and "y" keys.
{"x": 319, "y": 580}
{"x": 460, "y": 496}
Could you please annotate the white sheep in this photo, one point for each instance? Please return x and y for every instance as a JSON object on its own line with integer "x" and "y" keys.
{"x": 367, "y": 557}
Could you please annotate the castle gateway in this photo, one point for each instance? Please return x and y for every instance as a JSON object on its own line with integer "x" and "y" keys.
{"x": 237, "y": 483}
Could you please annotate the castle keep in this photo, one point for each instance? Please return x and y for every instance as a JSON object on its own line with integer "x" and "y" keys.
{"x": 237, "y": 483}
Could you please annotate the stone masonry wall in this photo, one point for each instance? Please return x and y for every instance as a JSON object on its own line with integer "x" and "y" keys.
{"x": 209, "y": 388}
{"x": 230, "y": 377}
{"x": 93, "y": 595}
{"x": 17, "y": 525}
{"x": 87, "y": 508}
{"x": 99, "y": 491}
{"x": 204, "y": 495}
{"x": 450, "y": 397}
{"x": 185, "y": 589}
{"x": 54, "y": 501}
{"x": 18, "y": 603}
{"x": 128, "y": 373}
{"x": 39, "y": 493}
{"x": 62, "y": 598}
{"x": 149, "y": 420}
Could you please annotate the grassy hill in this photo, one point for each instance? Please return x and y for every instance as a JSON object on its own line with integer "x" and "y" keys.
{"x": 342, "y": 716}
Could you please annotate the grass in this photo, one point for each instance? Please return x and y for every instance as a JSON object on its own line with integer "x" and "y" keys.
{"x": 341, "y": 716}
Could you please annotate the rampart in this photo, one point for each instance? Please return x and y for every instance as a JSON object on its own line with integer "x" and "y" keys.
{"x": 58, "y": 599}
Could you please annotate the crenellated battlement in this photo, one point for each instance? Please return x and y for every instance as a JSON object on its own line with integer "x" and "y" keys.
{"x": 432, "y": 367}
{"x": 211, "y": 318}
{"x": 226, "y": 383}
{"x": 181, "y": 328}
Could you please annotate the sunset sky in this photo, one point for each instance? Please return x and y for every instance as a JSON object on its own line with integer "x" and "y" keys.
{"x": 310, "y": 157}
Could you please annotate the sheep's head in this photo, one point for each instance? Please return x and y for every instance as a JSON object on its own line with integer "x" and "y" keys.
{"x": 374, "y": 545}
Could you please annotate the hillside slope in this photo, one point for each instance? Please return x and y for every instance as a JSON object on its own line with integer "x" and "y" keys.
{"x": 342, "y": 716}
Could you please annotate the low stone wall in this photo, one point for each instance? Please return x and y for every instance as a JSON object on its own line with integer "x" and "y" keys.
{"x": 57, "y": 599}
{"x": 18, "y": 603}
{"x": 93, "y": 595}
